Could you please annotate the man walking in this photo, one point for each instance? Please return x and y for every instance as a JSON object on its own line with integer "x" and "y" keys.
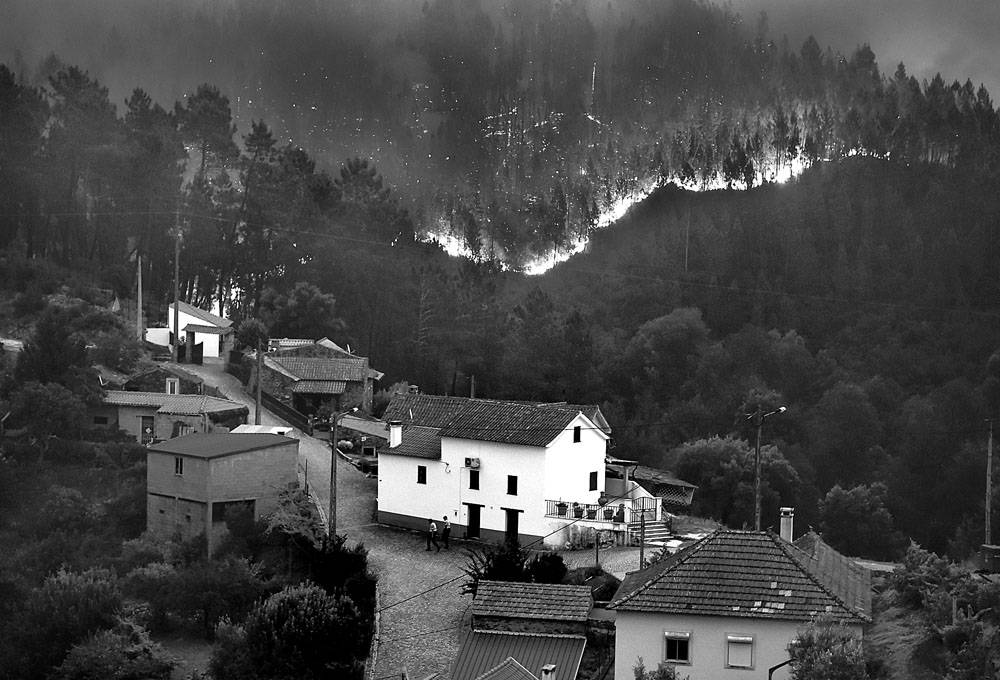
{"x": 446, "y": 532}
{"x": 432, "y": 535}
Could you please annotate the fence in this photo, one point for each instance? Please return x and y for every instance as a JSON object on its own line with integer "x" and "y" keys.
{"x": 287, "y": 413}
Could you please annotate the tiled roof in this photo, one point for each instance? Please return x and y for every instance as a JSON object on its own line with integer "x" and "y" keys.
{"x": 483, "y": 651}
{"x": 319, "y": 387}
{"x": 417, "y": 442}
{"x": 748, "y": 574}
{"x": 644, "y": 475}
{"x": 351, "y": 369}
{"x": 211, "y": 330}
{"x": 508, "y": 670}
{"x": 423, "y": 409}
{"x": 176, "y": 404}
{"x": 552, "y": 602}
{"x": 849, "y": 581}
{"x": 215, "y": 445}
{"x": 199, "y": 313}
{"x": 507, "y": 422}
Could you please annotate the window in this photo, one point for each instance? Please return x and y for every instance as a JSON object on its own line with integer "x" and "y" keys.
{"x": 511, "y": 485}
{"x": 576, "y": 434}
{"x": 677, "y": 648}
{"x": 739, "y": 651}
{"x": 473, "y": 479}
{"x": 593, "y": 480}
{"x": 421, "y": 474}
{"x": 178, "y": 465}
{"x": 173, "y": 386}
{"x": 100, "y": 420}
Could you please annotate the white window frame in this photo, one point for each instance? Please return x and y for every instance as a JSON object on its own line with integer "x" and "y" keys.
{"x": 677, "y": 635}
{"x": 744, "y": 642}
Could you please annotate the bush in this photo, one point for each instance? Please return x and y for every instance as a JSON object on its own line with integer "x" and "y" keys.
{"x": 63, "y": 612}
{"x": 122, "y": 653}
{"x": 602, "y": 584}
{"x": 826, "y": 650}
{"x": 289, "y": 635}
{"x": 547, "y": 568}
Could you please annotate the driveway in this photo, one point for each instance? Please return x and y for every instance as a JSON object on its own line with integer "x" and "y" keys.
{"x": 422, "y": 609}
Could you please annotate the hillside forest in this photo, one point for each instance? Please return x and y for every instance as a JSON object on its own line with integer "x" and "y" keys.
{"x": 860, "y": 294}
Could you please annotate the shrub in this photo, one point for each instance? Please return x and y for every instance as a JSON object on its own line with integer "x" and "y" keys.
{"x": 288, "y": 636}
{"x": 122, "y": 653}
{"x": 826, "y": 650}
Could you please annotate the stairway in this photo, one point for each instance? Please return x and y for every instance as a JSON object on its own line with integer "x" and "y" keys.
{"x": 657, "y": 533}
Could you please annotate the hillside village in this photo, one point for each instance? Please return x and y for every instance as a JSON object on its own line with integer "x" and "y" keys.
{"x": 490, "y": 482}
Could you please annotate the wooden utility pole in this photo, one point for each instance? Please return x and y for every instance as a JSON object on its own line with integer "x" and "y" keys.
{"x": 177, "y": 284}
{"x": 331, "y": 517}
{"x": 138, "y": 295}
{"x": 758, "y": 419}
{"x": 989, "y": 484}
{"x": 260, "y": 356}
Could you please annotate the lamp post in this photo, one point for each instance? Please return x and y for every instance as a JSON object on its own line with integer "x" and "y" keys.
{"x": 332, "y": 512}
{"x": 758, "y": 420}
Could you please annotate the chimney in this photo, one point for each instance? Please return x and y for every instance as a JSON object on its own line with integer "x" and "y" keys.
{"x": 548, "y": 672}
{"x": 414, "y": 389}
{"x": 395, "y": 433}
{"x": 787, "y": 520}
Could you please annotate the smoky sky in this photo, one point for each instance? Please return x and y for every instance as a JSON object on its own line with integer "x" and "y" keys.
{"x": 958, "y": 39}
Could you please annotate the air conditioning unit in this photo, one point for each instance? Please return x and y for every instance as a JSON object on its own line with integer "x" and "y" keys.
{"x": 472, "y": 463}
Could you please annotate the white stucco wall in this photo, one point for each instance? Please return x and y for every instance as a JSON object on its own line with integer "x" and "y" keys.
{"x": 642, "y": 635}
{"x": 210, "y": 341}
{"x": 560, "y": 471}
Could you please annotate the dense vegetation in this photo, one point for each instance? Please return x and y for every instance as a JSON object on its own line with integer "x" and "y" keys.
{"x": 862, "y": 295}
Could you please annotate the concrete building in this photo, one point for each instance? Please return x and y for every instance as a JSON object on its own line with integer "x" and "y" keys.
{"x": 201, "y": 327}
{"x": 192, "y": 481}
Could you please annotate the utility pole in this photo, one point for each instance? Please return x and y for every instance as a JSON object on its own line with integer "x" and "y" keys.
{"x": 177, "y": 283}
{"x": 260, "y": 356}
{"x": 758, "y": 420}
{"x": 642, "y": 538}
{"x": 989, "y": 484}
{"x": 332, "y": 512}
{"x": 138, "y": 286}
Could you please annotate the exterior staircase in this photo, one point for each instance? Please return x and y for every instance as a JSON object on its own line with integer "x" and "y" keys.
{"x": 657, "y": 533}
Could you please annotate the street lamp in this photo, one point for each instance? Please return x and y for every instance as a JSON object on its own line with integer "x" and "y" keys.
{"x": 332, "y": 513}
{"x": 758, "y": 420}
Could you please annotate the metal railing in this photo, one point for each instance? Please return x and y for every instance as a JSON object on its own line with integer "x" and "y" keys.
{"x": 591, "y": 512}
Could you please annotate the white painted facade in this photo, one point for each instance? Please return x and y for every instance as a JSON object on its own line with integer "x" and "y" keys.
{"x": 210, "y": 341}
{"x": 559, "y": 471}
{"x": 643, "y": 635}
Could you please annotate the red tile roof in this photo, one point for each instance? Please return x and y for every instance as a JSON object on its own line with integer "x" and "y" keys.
{"x": 747, "y": 574}
{"x": 483, "y": 651}
{"x": 551, "y": 602}
{"x": 216, "y": 445}
{"x": 319, "y": 387}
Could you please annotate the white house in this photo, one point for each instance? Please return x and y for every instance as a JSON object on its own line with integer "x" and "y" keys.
{"x": 199, "y": 326}
{"x": 727, "y": 606}
{"x": 496, "y": 469}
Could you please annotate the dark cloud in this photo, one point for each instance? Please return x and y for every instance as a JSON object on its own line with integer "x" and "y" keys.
{"x": 959, "y": 39}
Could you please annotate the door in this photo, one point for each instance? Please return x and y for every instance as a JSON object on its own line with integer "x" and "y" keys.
{"x": 145, "y": 429}
{"x": 472, "y": 526}
{"x": 510, "y": 531}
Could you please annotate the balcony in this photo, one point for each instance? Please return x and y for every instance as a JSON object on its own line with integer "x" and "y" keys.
{"x": 606, "y": 516}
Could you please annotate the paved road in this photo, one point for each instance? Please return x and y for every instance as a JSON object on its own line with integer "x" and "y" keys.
{"x": 423, "y": 610}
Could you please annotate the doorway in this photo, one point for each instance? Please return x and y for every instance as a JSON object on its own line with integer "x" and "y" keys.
{"x": 510, "y": 531}
{"x": 472, "y": 526}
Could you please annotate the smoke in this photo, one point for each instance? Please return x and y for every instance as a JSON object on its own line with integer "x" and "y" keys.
{"x": 959, "y": 40}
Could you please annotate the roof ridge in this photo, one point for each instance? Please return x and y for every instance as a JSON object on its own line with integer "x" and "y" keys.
{"x": 671, "y": 563}
{"x": 778, "y": 541}
{"x": 503, "y": 663}
{"x": 567, "y": 636}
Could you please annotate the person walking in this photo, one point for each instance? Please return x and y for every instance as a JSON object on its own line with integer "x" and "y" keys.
{"x": 432, "y": 535}
{"x": 446, "y": 532}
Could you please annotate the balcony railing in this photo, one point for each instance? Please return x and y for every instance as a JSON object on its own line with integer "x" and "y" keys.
{"x": 590, "y": 512}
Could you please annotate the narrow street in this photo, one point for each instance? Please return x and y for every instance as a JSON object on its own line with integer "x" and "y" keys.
{"x": 422, "y": 607}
